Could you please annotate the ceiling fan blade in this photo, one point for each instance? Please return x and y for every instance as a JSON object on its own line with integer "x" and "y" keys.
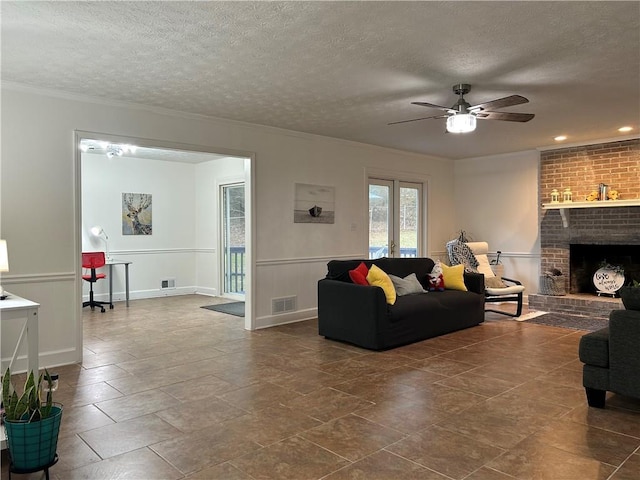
{"x": 416, "y": 119}
{"x": 501, "y": 102}
{"x": 431, "y": 105}
{"x": 506, "y": 116}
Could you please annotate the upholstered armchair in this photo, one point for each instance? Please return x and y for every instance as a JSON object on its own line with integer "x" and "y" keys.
{"x": 610, "y": 357}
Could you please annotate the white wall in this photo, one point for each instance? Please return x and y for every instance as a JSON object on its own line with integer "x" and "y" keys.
{"x": 38, "y": 202}
{"x": 496, "y": 200}
{"x": 208, "y": 178}
{"x": 184, "y": 242}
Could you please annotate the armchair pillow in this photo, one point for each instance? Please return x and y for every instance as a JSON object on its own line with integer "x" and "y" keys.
{"x": 484, "y": 267}
{"x": 460, "y": 253}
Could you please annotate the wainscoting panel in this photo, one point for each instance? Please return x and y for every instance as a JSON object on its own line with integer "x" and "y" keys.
{"x": 58, "y": 327}
{"x": 290, "y": 277}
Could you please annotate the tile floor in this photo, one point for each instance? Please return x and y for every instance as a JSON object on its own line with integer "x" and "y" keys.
{"x": 168, "y": 390}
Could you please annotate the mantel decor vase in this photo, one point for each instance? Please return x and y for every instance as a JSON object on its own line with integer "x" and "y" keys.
{"x": 32, "y": 445}
{"x": 630, "y": 297}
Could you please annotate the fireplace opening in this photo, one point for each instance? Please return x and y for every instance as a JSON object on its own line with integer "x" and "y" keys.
{"x": 585, "y": 260}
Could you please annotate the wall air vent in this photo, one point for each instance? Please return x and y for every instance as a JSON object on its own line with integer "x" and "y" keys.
{"x": 283, "y": 305}
{"x": 167, "y": 283}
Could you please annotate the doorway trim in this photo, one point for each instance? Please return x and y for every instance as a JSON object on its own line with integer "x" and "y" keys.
{"x": 220, "y": 184}
{"x": 250, "y": 221}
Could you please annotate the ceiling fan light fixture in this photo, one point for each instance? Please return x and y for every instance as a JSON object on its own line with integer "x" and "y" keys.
{"x": 461, "y": 123}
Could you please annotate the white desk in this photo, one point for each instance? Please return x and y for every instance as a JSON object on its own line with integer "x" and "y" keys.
{"x": 110, "y": 264}
{"x": 16, "y": 308}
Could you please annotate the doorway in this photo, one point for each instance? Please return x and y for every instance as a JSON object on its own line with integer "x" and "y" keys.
{"x": 205, "y": 252}
{"x": 395, "y": 218}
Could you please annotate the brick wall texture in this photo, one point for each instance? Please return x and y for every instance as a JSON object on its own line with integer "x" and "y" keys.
{"x": 583, "y": 168}
{"x": 616, "y": 164}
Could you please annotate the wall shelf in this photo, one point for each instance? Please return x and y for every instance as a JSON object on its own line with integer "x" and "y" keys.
{"x": 595, "y": 204}
{"x": 564, "y": 207}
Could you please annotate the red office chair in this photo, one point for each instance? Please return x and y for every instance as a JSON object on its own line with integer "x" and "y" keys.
{"x": 93, "y": 260}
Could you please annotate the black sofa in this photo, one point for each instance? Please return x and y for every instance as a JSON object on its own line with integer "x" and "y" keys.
{"x": 360, "y": 315}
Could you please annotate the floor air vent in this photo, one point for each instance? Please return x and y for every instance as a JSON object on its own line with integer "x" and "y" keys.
{"x": 284, "y": 304}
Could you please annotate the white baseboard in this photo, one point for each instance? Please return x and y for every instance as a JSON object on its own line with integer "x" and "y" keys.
{"x": 45, "y": 359}
{"x": 142, "y": 294}
{"x": 292, "y": 317}
{"x": 210, "y": 292}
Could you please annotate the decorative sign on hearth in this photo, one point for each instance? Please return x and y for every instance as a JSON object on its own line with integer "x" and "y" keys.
{"x": 608, "y": 279}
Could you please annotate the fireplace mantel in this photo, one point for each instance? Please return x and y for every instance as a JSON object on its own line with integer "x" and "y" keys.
{"x": 565, "y": 206}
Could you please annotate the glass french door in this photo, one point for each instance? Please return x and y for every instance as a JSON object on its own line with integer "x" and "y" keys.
{"x": 233, "y": 240}
{"x": 395, "y": 218}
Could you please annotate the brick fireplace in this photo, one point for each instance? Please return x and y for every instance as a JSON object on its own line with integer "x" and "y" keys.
{"x": 590, "y": 233}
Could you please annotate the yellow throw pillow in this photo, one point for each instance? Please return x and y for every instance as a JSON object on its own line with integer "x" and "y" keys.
{"x": 377, "y": 277}
{"x": 453, "y": 277}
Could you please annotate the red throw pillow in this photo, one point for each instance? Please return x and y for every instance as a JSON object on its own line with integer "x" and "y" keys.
{"x": 359, "y": 274}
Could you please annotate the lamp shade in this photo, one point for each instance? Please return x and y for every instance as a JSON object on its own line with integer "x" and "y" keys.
{"x": 461, "y": 123}
{"x": 97, "y": 230}
{"x": 4, "y": 256}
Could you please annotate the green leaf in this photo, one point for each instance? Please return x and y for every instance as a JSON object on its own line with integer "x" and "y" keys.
{"x": 22, "y": 406}
{"x": 7, "y": 387}
{"x": 10, "y": 407}
{"x": 30, "y": 382}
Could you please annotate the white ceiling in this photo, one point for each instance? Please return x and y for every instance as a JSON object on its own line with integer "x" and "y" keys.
{"x": 345, "y": 69}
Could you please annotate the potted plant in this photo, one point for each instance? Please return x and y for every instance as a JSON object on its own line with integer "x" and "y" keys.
{"x": 31, "y": 423}
{"x": 630, "y": 295}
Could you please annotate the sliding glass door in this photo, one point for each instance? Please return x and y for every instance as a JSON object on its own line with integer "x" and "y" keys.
{"x": 233, "y": 240}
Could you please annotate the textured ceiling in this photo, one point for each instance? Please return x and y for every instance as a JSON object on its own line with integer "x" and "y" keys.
{"x": 344, "y": 69}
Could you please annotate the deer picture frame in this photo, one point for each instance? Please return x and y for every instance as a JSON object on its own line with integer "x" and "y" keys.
{"x": 137, "y": 214}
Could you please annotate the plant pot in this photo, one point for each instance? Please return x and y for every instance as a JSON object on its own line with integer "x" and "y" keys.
{"x": 32, "y": 445}
{"x": 630, "y": 297}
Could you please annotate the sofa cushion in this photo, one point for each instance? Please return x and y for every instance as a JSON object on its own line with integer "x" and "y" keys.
{"x": 400, "y": 267}
{"x": 406, "y": 285}
{"x": 379, "y": 278}
{"x": 433, "y": 307}
{"x": 359, "y": 274}
{"x": 454, "y": 277}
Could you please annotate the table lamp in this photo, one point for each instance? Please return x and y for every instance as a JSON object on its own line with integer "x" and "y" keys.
{"x": 98, "y": 231}
{"x": 4, "y": 264}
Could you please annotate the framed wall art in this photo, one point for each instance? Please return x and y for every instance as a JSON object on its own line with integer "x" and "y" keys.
{"x": 314, "y": 204}
{"x": 136, "y": 214}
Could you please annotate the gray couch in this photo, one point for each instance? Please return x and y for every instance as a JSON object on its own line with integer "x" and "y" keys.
{"x": 611, "y": 359}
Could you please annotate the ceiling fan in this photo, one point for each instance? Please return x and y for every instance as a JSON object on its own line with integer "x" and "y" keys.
{"x": 461, "y": 117}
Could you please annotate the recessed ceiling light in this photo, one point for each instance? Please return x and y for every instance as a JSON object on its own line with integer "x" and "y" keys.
{"x": 625, "y": 129}
{"x": 560, "y": 138}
